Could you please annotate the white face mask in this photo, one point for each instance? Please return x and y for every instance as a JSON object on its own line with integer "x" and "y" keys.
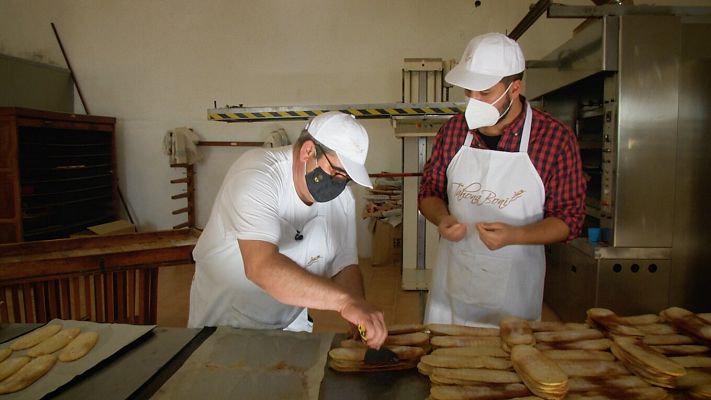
{"x": 480, "y": 113}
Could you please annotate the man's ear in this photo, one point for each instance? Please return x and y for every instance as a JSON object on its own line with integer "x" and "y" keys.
{"x": 516, "y": 88}
{"x": 307, "y": 150}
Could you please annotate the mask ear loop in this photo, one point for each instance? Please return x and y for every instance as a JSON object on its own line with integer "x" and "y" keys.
{"x": 502, "y": 94}
{"x": 503, "y": 113}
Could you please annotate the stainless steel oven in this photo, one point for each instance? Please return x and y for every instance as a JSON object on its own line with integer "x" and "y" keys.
{"x": 637, "y": 91}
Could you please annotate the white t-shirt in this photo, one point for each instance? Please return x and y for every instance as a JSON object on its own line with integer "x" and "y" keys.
{"x": 258, "y": 201}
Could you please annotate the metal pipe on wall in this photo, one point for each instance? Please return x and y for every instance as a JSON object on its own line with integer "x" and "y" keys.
{"x": 529, "y": 19}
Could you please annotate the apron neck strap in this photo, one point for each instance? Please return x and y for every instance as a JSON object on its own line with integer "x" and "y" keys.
{"x": 526, "y": 134}
{"x": 468, "y": 139}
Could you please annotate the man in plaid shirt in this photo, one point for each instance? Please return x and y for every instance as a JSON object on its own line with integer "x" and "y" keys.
{"x": 503, "y": 179}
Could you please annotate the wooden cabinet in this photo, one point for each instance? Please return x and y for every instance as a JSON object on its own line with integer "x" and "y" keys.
{"x": 57, "y": 173}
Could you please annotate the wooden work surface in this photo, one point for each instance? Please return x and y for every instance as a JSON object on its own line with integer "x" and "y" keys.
{"x": 112, "y": 278}
{"x": 75, "y": 255}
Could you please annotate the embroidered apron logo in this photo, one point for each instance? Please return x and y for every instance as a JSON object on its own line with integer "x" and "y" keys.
{"x": 480, "y": 197}
{"x": 313, "y": 261}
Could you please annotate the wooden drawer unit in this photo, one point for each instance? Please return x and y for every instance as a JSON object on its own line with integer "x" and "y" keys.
{"x": 57, "y": 173}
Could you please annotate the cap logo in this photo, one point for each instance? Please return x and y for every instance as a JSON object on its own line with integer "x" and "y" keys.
{"x": 358, "y": 148}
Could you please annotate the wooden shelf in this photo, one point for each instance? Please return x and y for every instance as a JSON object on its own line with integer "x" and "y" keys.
{"x": 56, "y": 173}
{"x": 74, "y": 201}
{"x": 86, "y": 189}
{"x": 62, "y": 156}
{"x": 69, "y": 228}
{"x": 81, "y": 178}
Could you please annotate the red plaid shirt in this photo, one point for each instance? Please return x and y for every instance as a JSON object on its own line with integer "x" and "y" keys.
{"x": 553, "y": 150}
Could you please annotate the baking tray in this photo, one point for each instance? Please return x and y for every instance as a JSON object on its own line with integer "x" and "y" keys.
{"x": 112, "y": 338}
{"x": 252, "y": 364}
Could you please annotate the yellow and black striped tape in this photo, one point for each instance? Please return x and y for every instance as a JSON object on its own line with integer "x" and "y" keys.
{"x": 245, "y": 114}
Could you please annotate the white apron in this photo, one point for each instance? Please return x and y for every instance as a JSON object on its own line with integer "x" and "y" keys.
{"x": 216, "y": 297}
{"x": 471, "y": 284}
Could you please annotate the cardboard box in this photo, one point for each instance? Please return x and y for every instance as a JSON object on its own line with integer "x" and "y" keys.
{"x": 387, "y": 243}
{"x": 111, "y": 228}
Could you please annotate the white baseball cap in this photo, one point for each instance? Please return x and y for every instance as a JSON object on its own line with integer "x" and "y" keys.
{"x": 343, "y": 134}
{"x": 487, "y": 59}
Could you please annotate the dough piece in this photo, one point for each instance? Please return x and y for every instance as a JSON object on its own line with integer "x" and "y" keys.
{"x": 407, "y": 339}
{"x": 5, "y": 353}
{"x": 608, "y": 321}
{"x": 682, "y": 349}
{"x": 358, "y": 354}
{"x": 657, "y": 329}
{"x": 588, "y": 368}
{"x": 475, "y": 392}
{"x": 405, "y": 328}
{"x": 474, "y": 375}
{"x": 568, "y": 335}
{"x": 461, "y": 330}
{"x": 465, "y": 341}
{"x": 579, "y": 355}
{"x": 491, "y": 351}
{"x": 465, "y": 362}
{"x": 12, "y": 365}
{"x": 580, "y": 384}
{"x": 641, "y": 355}
{"x": 515, "y": 331}
{"x": 591, "y": 344}
{"x": 33, "y": 338}
{"x": 360, "y": 366}
{"x": 656, "y": 340}
{"x": 644, "y": 319}
{"x": 539, "y": 373}
{"x": 688, "y": 322}
{"x": 693, "y": 362}
{"x": 32, "y": 371}
{"x": 54, "y": 343}
{"x": 79, "y": 347}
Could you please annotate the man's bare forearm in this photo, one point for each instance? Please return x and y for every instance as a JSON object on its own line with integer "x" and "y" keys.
{"x": 287, "y": 282}
{"x": 351, "y": 280}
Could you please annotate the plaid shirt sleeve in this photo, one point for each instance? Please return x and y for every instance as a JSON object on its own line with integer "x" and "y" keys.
{"x": 556, "y": 156}
{"x": 553, "y": 150}
{"x": 446, "y": 144}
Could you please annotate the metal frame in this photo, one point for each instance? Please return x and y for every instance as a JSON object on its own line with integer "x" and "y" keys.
{"x": 381, "y": 110}
{"x": 556, "y": 10}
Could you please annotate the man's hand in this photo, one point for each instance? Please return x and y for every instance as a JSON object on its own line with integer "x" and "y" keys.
{"x": 450, "y": 229}
{"x": 359, "y": 312}
{"x": 496, "y": 235}
{"x": 353, "y": 332}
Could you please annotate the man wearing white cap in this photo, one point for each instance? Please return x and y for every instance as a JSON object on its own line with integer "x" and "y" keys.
{"x": 281, "y": 236}
{"x": 503, "y": 179}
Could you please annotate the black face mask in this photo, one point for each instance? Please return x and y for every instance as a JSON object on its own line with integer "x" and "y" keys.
{"x": 322, "y": 186}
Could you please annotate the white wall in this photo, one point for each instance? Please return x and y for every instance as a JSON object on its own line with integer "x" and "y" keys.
{"x": 156, "y": 65}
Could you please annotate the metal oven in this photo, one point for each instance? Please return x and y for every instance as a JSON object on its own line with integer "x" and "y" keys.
{"x": 637, "y": 91}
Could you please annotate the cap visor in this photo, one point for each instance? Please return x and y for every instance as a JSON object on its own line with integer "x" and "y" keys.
{"x": 356, "y": 171}
{"x": 471, "y": 80}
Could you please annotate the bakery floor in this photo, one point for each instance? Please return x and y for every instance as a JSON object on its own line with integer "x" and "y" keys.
{"x": 382, "y": 287}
